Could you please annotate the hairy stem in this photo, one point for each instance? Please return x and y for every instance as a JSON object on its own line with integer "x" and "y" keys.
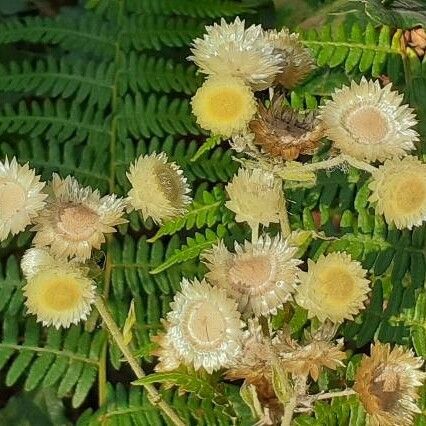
{"x": 283, "y": 214}
{"x": 289, "y": 411}
{"x": 115, "y": 333}
{"x": 337, "y": 161}
{"x": 330, "y": 395}
{"x": 254, "y": 233}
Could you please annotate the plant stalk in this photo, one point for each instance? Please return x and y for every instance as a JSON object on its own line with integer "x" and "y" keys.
{"x": 289, "y": 411}
{"x": 154, "y": 396}
{"x": 283, "y": 215}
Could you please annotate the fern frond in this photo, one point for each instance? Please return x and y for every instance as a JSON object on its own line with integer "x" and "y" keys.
{"x": 80, "y": 80}
{"x": 205, "y": 210}
{"x": 54, "y": 120}
{"x": 68, "y": 360}
{"x": 368, "y": 49}
{"x": 86, "y": 33}
{"x": 161, "y": 116}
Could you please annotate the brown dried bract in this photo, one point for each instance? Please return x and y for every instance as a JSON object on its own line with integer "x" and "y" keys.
{"x": 283, "y": 132}
{"x": 416, "y": 39}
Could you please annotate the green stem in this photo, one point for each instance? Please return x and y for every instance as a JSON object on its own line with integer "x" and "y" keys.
{"x": 283, "y": 214}
{"x": 339, "y": 160}
{"x": 289, "y": 411}
{"x": 254, "y": 233}
{"x": 153, "y": 394}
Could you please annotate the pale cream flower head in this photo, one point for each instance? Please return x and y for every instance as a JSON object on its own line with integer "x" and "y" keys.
{"x": 21, "y": 198}
{"x": 334, "y": 288}
{"x": 255, "y": 197}
{"x": 260, "y": 276}
{"x": 224, "y": 105}
{"x": 204, "y": 327}
{"x": 298, "y": 61}
{"x": 387, "y": 384}
{"x": 159, "y": 188}
{"x": 76, "y": 219}
{"x": 368, "y": 122}
{"x": 399, "y": 191}
{"x": 233, "y": 50}
{"x": 58, "y": 292}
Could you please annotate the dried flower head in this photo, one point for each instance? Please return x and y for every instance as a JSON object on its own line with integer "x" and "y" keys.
{"x": 368, "y": 122}
{"x": 224, "y": 105}
{"x": 233, "y": 50}
{"x": 399, "y": 189}
{"x": 387, "y": 383}
{"x": 159, "y": 188}
{"x": 283, "y": 132}
{"x": 204, "y": 328}
{"x": 255, "y": 197}
{"x": 58, "y": 292}
{"x": 20, "y": 197}
{"x": 309, "y": 359}
{"x": 416, "y": 39}
{"x": 334, "y": 287}
{"x": 297, "y": 59}
{"x": 260, "y": 276}
{"x": 76, "y": 219}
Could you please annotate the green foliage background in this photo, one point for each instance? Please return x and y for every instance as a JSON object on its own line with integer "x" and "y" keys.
{"x": 86, "y": 91}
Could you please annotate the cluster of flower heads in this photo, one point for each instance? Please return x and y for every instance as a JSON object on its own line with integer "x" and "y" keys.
{"x": 71, "y": 221}
{"x": 223, "y": 322}
{"x": 365, "y": 121}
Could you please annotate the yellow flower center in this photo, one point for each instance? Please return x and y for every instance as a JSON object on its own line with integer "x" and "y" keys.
{"x": 61, "y": 293}
{"x": 12, "y": 199}
{"x": 368, "y": 125}
{"x": 410, "y": 195}
{"x": 168, "y": 182}
{"x": 335, "y": 284}
{"x": 251, "y": 274}
{"x": 206, "y": 324}
{"x": 77, "y": 222}
{"x": 226, "y": 104}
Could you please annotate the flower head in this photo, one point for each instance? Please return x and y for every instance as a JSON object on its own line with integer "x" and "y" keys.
{"x": 297, "y": 59}
{"x": 58, "y": 292}
{"x": 159, "y": 188}
{"x": 368, "y": 122}
{"x": 204, "y": 328}
{"x": 387, "y": 383}
{"x": 334, "y": 287}
{"x": 233, "y": 50}
{"x": 260, "y": 276}
{"x": 255, "y": 197}
{"x": 21, "y": 198}
{"x": 285, "y": 133}
{"x": 76, "y": 219}
{"x": 224, "y": 105}
{"x": 399, "y": 191}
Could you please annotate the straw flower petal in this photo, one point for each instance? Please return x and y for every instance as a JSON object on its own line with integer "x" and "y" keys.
{"x": 399, "y": 191}
{"x": 159, "y": 188}
{"x": 224, "y": 105}
{"x": 387, "y": 384}
{"x": 297, "y": 59}
{"x": 58, "y": 292}
{"x": 76, "y": 219}
{"x": 21, "y": 198}
{"x": 255, "y": 197}
{"x": 260, "y": 276}
{"x": 334, "y": 288}
{"x": 233, "y": 50}
{"x": 368, "y": 122}
{"x": 204, "y": 327}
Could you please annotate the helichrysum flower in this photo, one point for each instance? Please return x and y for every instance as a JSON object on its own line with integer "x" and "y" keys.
{"x": 224, "y": 105}
{"x": 297, "y": 59}
{"x": 58, "y": 292}
{"x": 233, "y": 50}
{"x": 159, "y": 188}
{"x": 387, "y": 384}
{"x": 204, "y": 328}
{"x": 399, "y": 191}
{"x": 260, "y": 276}
{"x": 285, "y": 133}
{"x": 334, "y": 287}
{"x": 21, "y": 198}
{"x": 368, "y": 122}
{"x": 255, "y": 197}
{"x": 76, "y": 219}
